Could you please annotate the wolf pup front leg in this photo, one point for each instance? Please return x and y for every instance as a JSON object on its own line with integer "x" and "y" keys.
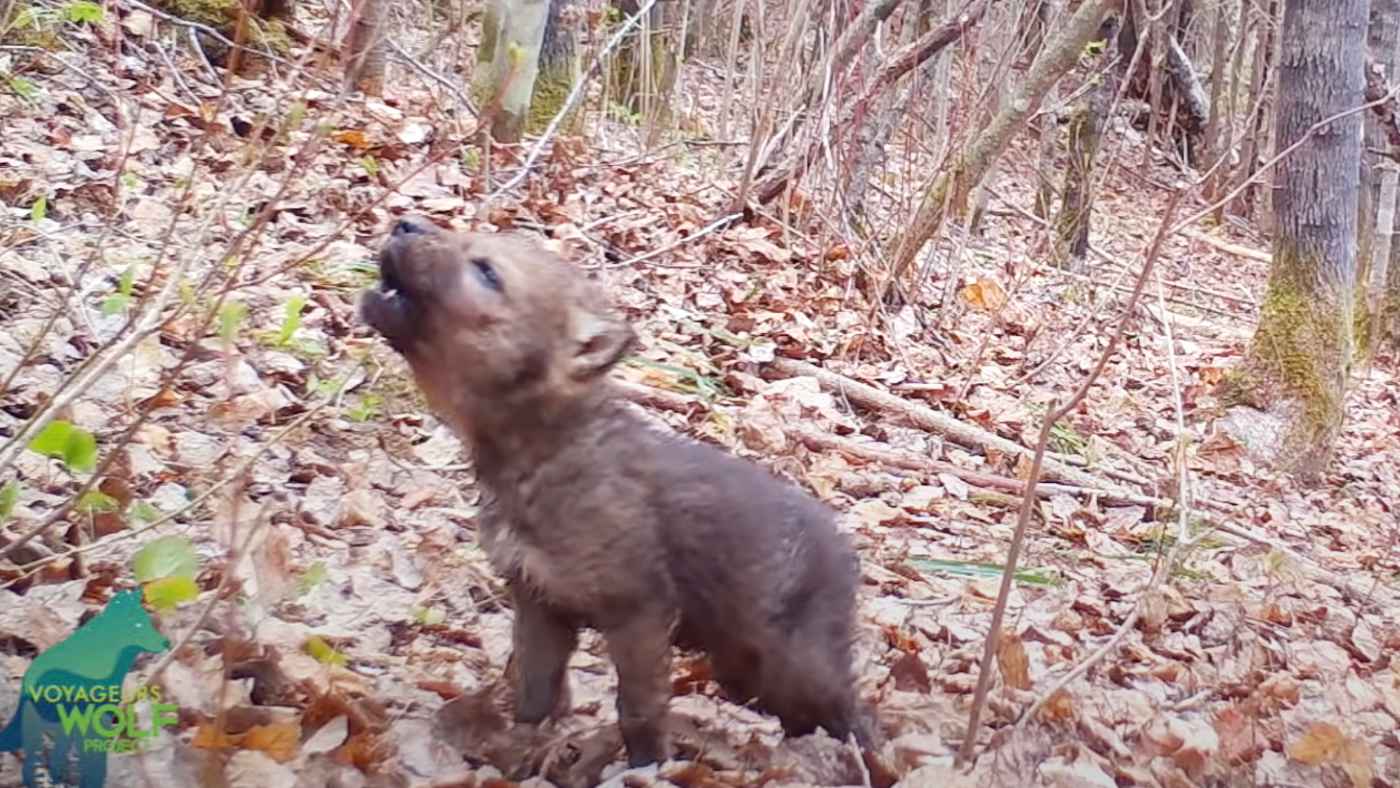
{"x": 543, "y": 640}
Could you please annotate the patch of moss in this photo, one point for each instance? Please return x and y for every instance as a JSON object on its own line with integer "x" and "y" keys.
{"x": 552, "y": 88}
{"x": 218, "y": 14}
{"x": 1302, "y": 350}
{"x": 222, "y": 15}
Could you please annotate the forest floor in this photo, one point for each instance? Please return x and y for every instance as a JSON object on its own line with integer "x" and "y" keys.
{"x": 368, "y": 637}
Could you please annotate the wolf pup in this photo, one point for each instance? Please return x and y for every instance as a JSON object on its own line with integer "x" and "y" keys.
{"x": 596, "y": 519}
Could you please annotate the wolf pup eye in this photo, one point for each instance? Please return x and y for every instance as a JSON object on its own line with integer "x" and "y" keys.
{"x": 487, "y": 274}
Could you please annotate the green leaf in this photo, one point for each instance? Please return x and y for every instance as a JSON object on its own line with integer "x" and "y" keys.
{"x": 80, "y": 453}
{"x": 1038, "y": 577}
{"x": 295, "y": 115}
{"x": 145, "y": 512}
{"x": 312, "y": 577}
{"x": 366, "y": 409}
{"x": 230, "y": 317}
{"x": 96, "y": 501}
{"x": 291, "y": 318}
{"x": 168, "y": 556}
{"x": 323, "y": 651}
{"x": 115, "y": 303}
{"x": 81, "y": 11}
{"x": 429, "y": 615}
{"x": 24, "y": 89}
{"x": 370, "y": 165}
{"x": 52, "y": 438}
{"x": 75, "y": 446}
{"x": 39, "y": 209}
{"x": 9, "y": 496}
{"x": 167, "y": 593}
{"x": 128, "y": 281}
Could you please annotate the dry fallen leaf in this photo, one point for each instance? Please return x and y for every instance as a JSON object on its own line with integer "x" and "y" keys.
{"x": 985, "y": 294}
{"x": 1014, "y": 663}
{"x": 278, "y": 740}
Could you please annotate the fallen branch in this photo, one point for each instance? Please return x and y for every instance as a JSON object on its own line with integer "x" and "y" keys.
{"x": 1227, "y": 247}
{"x": 825, "y": 441}
{"x": 927, "y": 419}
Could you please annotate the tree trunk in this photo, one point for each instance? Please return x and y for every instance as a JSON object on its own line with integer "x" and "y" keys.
{"x": 1190, "y": 95}
{"x": 1216, "y": 147}
{"x": 1048, "y": 124}
{"x": 515, "y": 59}
{"x": 850, "y": 41}
{"x": 1376, "y": 212}
{"x": 1299, "y": 361}
{"x": 871, "y": 138}
{"x": 1382, "y": 284}
{"x": 1156, "y": 48}
{"x": 1085, "y": 132}
{"x": 366, "y": 49}
{"x": 645, "y": 65}
{"x": 557, "y": 70}
{"x": 1259, "y": 84}
{"x": 952, "y": 187}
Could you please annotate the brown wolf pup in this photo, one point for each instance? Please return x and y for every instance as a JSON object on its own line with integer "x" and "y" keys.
{"x": 596, "y": 519}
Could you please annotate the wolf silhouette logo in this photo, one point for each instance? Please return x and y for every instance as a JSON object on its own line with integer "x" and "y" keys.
{"x": 83, "y": 671}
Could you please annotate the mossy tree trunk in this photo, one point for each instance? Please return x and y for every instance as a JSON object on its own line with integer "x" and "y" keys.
{"x": 366, "y": 51}
{"x": 1085, "y": 131}
{"x": 512, "y": 33}
{"x": 1299, "y": 361}
{"x": 558, "y": 67}
{"x": 1390, "y": 303}
{"x": 951, "y": 189}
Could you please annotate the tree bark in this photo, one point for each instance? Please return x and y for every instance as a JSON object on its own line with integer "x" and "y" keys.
{"x": 952, "y": 187}
{"x": 1376, "y": 211}
{"x": 1216, "y": 147}
{"x": 1048, "y": 124}
{"x": 515, "y": 60}
{"x": 1300, "y": 359}
{"x": 1085, "y": 132}
{"x": 557, "y": 69}
{"x": 366, "y": 48}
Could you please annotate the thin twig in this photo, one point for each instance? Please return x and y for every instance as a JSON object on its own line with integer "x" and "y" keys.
{"x": 1164, "y": 567}
{"x": 989, "y": 651}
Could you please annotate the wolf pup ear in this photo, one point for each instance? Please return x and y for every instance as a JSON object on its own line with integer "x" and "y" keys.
{"x": 600, "y": 341}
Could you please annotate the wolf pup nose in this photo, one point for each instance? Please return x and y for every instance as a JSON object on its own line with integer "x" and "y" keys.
{"x": 593, "y": 518}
